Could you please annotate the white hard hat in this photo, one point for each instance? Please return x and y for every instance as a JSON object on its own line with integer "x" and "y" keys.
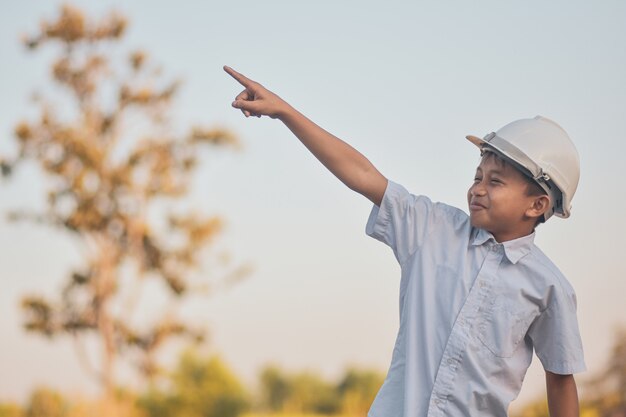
{"x": 541, "y": 148}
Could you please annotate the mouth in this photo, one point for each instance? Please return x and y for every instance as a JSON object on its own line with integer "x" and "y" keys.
{"x": 474, "y": 206}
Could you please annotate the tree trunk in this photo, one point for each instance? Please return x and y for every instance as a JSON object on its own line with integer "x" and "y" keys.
{"x": 105, "y": 282}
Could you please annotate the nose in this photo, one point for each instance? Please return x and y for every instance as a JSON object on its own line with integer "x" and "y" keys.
{"x": 477, "y": 188}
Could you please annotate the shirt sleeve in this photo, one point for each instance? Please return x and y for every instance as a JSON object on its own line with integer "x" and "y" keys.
{"x": 402, "y": 221}
{"x": 556, "y": 337}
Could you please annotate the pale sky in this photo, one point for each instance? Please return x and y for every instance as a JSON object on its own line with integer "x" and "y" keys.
{"x": 403, "y": 82}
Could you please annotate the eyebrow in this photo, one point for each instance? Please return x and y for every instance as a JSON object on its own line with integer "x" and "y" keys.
{"x": 493, "y": 171}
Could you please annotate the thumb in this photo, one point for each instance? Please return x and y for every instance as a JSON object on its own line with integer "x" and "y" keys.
{"x": 248, "y": 105}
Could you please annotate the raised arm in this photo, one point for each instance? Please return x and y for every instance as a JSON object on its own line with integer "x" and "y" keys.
{"x": 345, "y": 162}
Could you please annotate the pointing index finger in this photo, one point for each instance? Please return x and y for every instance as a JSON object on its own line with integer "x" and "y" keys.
{"x": 241, "y": 79}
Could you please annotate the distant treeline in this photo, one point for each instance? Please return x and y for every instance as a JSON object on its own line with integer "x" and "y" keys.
{"x": 203, "y": 386}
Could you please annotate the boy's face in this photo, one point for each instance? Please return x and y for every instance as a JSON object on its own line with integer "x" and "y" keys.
{"x": 498, "y": 200}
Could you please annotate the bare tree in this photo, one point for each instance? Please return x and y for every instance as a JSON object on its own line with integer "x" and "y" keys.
{"x": 109, "y": 154}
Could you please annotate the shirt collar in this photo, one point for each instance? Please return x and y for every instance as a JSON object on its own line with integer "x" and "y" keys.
{"x": 514, "y": 249}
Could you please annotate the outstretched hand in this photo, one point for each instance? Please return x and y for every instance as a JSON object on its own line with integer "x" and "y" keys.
{"x": 256, "y": 100}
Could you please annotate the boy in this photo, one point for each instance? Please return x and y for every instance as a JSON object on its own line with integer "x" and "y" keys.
{"x": 476, "y": 295}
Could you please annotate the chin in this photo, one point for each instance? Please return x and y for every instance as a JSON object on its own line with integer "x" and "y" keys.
{"x": 475, "y": 222}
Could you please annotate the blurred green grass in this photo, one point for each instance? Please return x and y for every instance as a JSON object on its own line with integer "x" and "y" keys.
{"x": 296, "y": 415}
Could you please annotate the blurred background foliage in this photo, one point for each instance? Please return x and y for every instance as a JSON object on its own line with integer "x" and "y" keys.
{"x": 202, "y": 385}
{"x": 199, "y": 386}
{"x": 111, "y": 155}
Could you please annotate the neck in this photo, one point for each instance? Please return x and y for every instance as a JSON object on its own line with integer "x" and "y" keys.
{"x": 502, "y": 237}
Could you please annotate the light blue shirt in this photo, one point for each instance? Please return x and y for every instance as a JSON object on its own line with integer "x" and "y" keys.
{"x": 471, "y": 312}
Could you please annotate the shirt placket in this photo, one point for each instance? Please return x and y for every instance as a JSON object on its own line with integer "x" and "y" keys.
{"x": 481, "y": 290}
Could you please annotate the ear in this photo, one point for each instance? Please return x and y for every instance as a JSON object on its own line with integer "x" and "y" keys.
{"x": 538, "y": 207}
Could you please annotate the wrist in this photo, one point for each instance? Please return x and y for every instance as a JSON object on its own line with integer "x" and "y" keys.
{"x": 284, "y": 112}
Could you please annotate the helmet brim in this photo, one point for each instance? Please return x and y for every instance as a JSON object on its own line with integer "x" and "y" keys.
{"x": 475, "y": 140}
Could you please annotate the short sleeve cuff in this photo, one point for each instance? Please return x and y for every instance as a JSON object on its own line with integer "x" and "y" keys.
{"x": 380, "y": 217}
{"x": 564, "y": 368}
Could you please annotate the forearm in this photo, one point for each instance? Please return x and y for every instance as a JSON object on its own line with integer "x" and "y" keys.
{"x": 345, "y": 162}
{"x": 562, "y": 395}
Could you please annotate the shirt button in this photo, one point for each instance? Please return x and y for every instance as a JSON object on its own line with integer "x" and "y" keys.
{"x": 451, "y": 361}
{"x": 437, "y": 400}
{"x": 482, "y": 284}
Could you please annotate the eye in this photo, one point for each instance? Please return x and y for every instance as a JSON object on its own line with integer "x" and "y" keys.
{"x": 476, "y": 179}
{"x": 496, "y": 181}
